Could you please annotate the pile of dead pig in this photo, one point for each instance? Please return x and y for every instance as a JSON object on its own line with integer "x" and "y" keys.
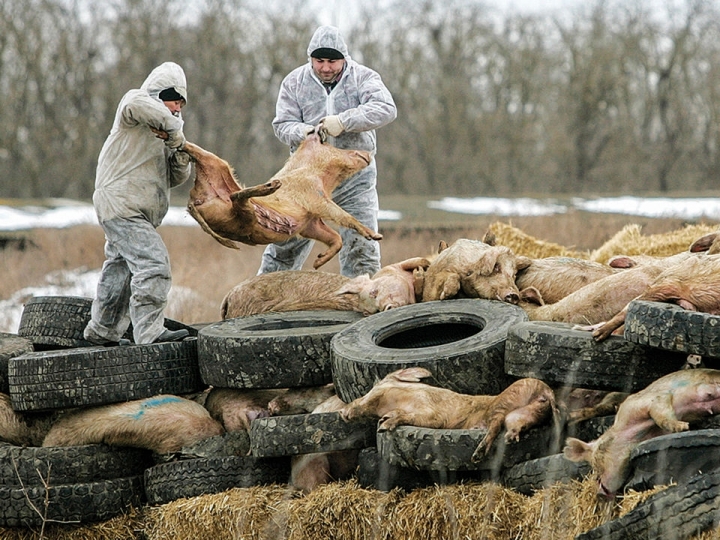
{"x": 265, "y": 426}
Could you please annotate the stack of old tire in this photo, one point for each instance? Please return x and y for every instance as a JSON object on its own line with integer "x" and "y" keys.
{"x": 470, "y": 346}
{"x": 48, "y": 367}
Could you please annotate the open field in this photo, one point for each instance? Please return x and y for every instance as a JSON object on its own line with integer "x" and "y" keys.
{"x": 209, "y": 270}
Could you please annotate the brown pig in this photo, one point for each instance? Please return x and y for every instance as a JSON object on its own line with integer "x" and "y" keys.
{"x": 668, "y": 405}
{"x": 295, "y": 290}
{"x": 300, "y": 400}
{"x": 295, "y": 202}
{"x": 557, "y": 277}
{"x": 22, "y": 429}
{"x": 236, "y": 408}
{"x": 311, "y": 470}
{"x": 401, "y": 399}
{"x": 162, "y": 423}
{"x": 472, "y": 269}
{"x": 693, "y": 284}
{"x": 601, "y": 299}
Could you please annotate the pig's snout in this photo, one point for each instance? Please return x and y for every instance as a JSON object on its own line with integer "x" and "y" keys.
{"x": 604, "y": 492}
{"x": 510, "y": 297}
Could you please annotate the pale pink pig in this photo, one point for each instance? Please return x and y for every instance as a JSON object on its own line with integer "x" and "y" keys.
{"x": 236, "y": 408}
{"x": 300, "y": 400}
{"x": 693, "y": 284}
{"x": 668, "y": 405}
{"x": 162, "y": 423}
{"x": 472, "y": 269}
{"x": 402, "y": 399}
{"x": 22, "y": 429}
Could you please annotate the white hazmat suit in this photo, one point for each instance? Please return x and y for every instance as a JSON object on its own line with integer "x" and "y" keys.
{"x": 133, "y": 179}
{"x": 362, "y": 103}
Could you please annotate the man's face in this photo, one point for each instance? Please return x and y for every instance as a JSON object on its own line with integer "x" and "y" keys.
{"x": 327, "y": 70}
{"x": 175, "y": 106}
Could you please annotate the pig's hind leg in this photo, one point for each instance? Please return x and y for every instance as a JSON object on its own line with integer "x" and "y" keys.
{"x": 398, "y": 417}
{"x": 317, "y": 229}
{"x": 334, "y": 213}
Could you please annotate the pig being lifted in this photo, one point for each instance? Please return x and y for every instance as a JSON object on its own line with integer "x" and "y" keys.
{"x": 473, "y": 269}
{"x": 667, "y": 405}
{"x": 401, "y": 399}
{"x": 294, "y": 202}
{"x": 294, "y": 290}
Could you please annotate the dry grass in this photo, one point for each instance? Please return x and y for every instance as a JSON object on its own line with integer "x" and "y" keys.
{"x": 204, "y": 271}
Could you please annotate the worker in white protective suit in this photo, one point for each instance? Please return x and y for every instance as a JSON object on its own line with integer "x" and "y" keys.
{"x": 347, "y": 102}
{"x": 135, "y": 172}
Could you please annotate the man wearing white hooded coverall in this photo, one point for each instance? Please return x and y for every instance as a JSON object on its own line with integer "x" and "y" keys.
{"x": 133, "y": 179}
{"x": 347, "y": 101}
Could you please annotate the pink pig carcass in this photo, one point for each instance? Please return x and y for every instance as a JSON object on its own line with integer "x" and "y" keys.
{"x": 236, "y": 408}
{"x": 163, "y": 424}
{"x": 295, "y": 202}
{"x": 296, "y": 290}
{"x": 668, "y": 405}
{"x": 401, "y": 399}
{"x": 472, "y": 269}
{"x": 300, "y": 400}
{"x": 693, "y": 284}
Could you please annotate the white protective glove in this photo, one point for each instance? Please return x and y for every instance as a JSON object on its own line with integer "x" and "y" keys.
{"x": 175, "y": 140}
{"x": 332, "y": 125}
{"x": 181, "y": 158}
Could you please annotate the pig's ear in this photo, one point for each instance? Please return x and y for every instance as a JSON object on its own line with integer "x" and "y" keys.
{"x": 532, "y": 296}
{"x": 443, "y": 246}
{"x": 414, "y": 264}
{"x": 703, "y": 243}
{"x": 622, "y": 261}
{"x": 523, "y": 262}
{"x": 577, "y": 450}
{"x": 415, "y": 374}
{"x": 355, "y": 286}
{"x": 489, "y": 238}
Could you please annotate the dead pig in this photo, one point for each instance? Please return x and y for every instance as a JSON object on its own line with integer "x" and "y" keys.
{"x": 668, "y": 405}
{"x": 300, "y": 400}
{"x": 22, "y": 429}
{"x": 295, "y": 290}
{"x": 236, "y": 408}
{"x": 557, "y": 277}
{"x": 693, "y": 284}
{"x": 163, "y": 424}
{"x": 295, "y": 202}
{"x": 401, "y": 399}
{"x": 472, "y": 269}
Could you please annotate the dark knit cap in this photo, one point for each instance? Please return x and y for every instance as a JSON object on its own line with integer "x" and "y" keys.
{"x": 328, "y": 53}
{"x": 170, "y": 94}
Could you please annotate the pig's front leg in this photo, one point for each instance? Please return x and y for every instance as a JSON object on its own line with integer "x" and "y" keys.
{"x": 663, "y": 414}
{"x": 398, "y": 417}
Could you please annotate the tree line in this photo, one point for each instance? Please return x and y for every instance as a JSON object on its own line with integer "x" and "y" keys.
{"x": 613, "y": 97}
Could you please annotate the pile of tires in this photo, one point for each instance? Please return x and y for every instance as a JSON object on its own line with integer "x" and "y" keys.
{"x": 469, "y": 346}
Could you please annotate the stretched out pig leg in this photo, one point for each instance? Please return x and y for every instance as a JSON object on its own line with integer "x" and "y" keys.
{"x": 663, "y": 414}
{"x": 256, "y": 191}
{"x": 317, "y": 229}
{"x": 397, "y": 418}
{"x": 336, "y": 214}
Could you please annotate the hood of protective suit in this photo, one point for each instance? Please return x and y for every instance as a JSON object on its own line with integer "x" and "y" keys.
{"x": 166, "y": 75}
{"x": 328, "y": 37}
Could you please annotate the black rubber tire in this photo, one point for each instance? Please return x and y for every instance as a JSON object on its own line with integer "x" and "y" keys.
{"x": 669, "y": 327}
{"x": 674, "y": 458}
{"x": 11, "y": 345}
{"x": 678, "y": 512}
{"x": 590, "y": 429}
{"x": 532, "y": 475}
{"x": 295, "y": 434}
{"x": 271, "y": 350}
{"x": 193, "y": 477}
{"x": 67, "y": 378}
{"x": 555, "y": 353}
{"x": 452, "y": 449}
{"x": 58, "y": 322}
{"x": 461, "y": 342}
{"x": 374, "y": 472}
{"x": 32, "y": 465}
{"x": 77, "y": 503}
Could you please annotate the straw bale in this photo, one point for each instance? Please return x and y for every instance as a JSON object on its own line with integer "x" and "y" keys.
{"x": 630, "y": 241}
{"x": 469, "y": 511}
{"x": 127, "y": 526}
{"x": 236, "y": 514}
{"x": 524, "y": 244}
